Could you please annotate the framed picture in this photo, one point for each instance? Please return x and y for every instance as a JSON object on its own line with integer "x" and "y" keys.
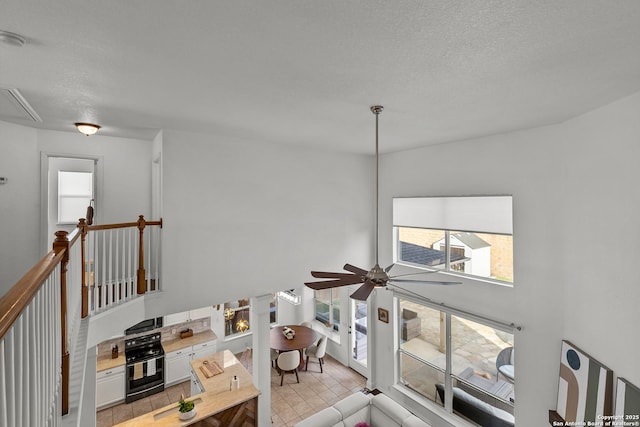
{"x": 627, "y": 401}
{"x": 383, "y": 315}
{"x": 581, "y": 376}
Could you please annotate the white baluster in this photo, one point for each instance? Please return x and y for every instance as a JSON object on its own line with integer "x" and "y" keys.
{"x": 3, "y": 384}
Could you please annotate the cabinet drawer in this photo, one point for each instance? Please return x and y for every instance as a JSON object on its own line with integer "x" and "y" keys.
{"x": 110, "y": 372}
{"x": 204, "y": 345}
{"x": 178, "y": 353}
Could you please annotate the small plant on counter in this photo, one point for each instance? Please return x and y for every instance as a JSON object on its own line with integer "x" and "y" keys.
{"x": 185, "y": 405}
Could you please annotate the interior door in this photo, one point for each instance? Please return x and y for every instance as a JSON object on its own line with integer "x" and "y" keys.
{"x": 358, "y": 321}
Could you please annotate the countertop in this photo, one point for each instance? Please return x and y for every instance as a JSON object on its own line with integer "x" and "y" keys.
{"x": 216, "y": 398}
{"x": 178, "y": 343}
{"x": 106, "y": 362}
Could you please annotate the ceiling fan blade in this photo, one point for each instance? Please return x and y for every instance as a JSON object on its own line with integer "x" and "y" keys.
{"x": 363, "y": 292}
{"x": 355, "y": 270}
{"x": 329, "y": 275}
{"x": 318, "y": 286}
{"x": 426, "y": 282}
{"x": 388, "y": 269}
{"x": 326, "y": 284}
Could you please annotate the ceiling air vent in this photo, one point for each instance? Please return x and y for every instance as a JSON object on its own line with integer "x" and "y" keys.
{"x": 13, "y": 106}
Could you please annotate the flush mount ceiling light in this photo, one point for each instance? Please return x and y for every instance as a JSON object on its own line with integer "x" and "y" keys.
{"x": 87, "y": 128}
{"x": 12, "y": 39}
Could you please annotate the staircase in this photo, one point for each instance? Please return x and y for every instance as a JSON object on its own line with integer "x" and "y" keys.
{"x": 76, "y": 379}
{"x": 45, "y": 374}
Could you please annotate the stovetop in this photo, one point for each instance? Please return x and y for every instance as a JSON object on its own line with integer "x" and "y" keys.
{"x": 143, "y": 348}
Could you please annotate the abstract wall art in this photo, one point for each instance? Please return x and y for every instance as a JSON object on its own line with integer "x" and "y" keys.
{"x": 585, "y": 387}
{"x": 627, "y": 401}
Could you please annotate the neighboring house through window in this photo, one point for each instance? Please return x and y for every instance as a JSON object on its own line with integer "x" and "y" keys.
{"x": 469, "y": 235}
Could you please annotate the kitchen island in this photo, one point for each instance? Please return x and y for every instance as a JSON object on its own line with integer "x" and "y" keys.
{"x": 218, "y": 405}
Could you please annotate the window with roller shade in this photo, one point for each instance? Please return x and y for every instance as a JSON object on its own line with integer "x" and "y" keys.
{"x": 472, "y": 236}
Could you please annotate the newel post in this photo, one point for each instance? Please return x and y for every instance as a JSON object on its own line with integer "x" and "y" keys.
{"x": 62, "y": 244}
{"x": 82, "y": 225}
{"x": 142, "y": 286}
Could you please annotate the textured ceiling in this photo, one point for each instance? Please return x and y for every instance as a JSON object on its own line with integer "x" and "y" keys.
{"x": 305, "y": 72}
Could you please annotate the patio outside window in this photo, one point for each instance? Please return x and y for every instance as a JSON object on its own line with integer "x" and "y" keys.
{"x": 472, "y": 353}
{"x": 327, "y": 308}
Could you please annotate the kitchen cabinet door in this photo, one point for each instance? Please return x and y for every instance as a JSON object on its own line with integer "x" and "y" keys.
{"x": 177, "y": 367}
{"x": 110, "y": 387}
{"x": 200, "y": 313}
{"x": 174, "y": 319}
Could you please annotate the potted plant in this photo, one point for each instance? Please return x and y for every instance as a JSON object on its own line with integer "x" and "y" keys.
{"x": 186, "y": 408}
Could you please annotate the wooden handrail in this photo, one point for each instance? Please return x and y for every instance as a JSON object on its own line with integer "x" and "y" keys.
{"x": 20, "y": 295}
{"x": 18, "y": 298}
{"x": 121, "y": 225}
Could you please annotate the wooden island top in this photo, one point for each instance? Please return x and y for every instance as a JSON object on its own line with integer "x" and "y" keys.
{"x": 218, "y": 398}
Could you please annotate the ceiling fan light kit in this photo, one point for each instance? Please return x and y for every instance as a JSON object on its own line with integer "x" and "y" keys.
{"x": 87, "y": 128}
{"x": 376, "y": 277}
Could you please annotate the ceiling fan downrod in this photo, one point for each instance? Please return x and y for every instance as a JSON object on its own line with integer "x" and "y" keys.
{"x": 377, "y": 109}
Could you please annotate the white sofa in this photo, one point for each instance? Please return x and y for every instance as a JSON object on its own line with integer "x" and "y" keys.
{"x": 377, "y": 411}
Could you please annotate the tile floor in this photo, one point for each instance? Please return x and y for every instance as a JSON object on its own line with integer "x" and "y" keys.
{"x": 289, "y": 404}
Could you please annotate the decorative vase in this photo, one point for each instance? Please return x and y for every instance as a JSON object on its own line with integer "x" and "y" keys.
{"x": 288, "y": 333}
{"x": 187, "y": 415}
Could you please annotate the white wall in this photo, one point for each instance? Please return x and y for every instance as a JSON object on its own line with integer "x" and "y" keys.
{"x": 249, "y": 218}
{"x": 19, "y": 203}
{"x": 126, "y": 188}
{"x": 575, "y": 204}
{"x": 126, "y": 184}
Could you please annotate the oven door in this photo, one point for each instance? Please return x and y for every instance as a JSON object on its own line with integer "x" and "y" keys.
{"x": 144, "y": 378}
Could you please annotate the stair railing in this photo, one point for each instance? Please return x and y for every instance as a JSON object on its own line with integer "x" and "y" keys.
{"x": 120, "y": 262}
{"x": 40, "y": 315}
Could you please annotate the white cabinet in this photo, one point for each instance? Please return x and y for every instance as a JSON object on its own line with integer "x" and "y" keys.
{"x": 178, "y": 363}
{"x": 187, "y": 316}
{"x": 177, "y": 366}
{"x": 110, "y": 386}
{"x": 200, "y": 313}
{"x": 174, "y": 319}
{"x": 204, "y": 349}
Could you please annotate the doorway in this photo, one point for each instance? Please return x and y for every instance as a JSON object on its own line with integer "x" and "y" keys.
{"x": 68, "y": 185}
{"x": 358, "y": 347}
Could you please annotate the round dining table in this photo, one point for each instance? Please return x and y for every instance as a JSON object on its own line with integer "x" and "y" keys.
{"x": 303, "y": 338}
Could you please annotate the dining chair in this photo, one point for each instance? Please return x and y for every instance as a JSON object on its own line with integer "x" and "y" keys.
{"x": 318, "y": 351}
{"x": 274, "y": 357}
{"x": 307, "y": 324}
{"x": 288, "y": 361}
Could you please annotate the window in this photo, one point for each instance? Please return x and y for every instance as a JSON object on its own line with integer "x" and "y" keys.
{"x": 327, "y": 308}
{"x": 472, "y": 354}
{"x": 236, "y": 317}
{"x": 273, "y": 309}
{"x": 75, "y": 191}
{"x": 476, "y": 254}
{"x": 466, "y": 235}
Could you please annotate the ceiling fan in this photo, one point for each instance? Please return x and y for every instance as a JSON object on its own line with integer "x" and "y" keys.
{"x": 376, "y": 277}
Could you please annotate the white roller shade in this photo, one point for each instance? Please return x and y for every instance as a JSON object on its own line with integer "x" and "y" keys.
{"x": 490, "y": 214}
